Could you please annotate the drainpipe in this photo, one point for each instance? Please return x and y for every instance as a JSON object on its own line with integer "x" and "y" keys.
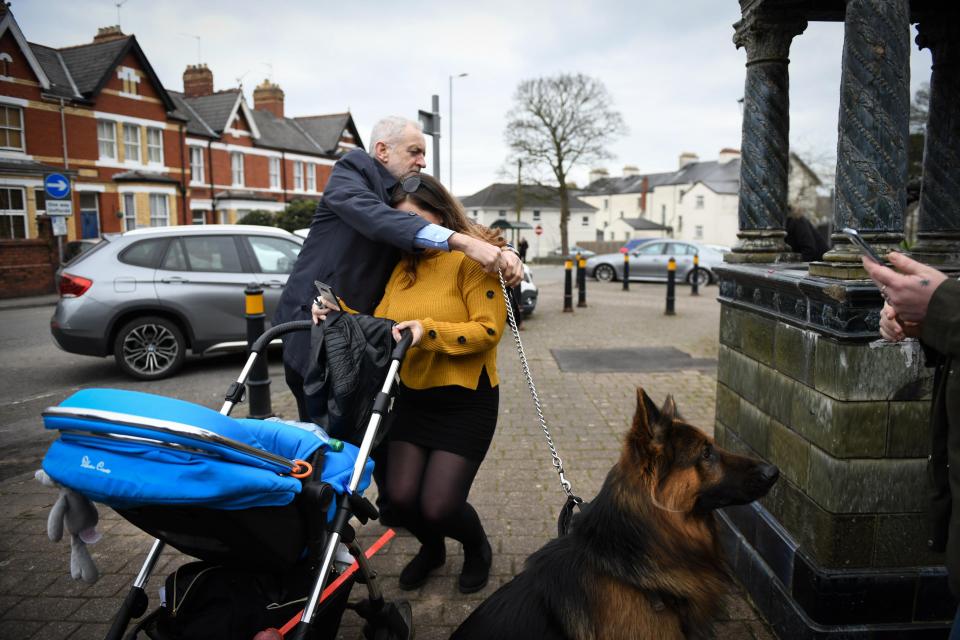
{"x": 283, "y": 175}
{"x": 66, "y": 165}
{"x": 213, "y": 199}
{"x": 183, "y": 179}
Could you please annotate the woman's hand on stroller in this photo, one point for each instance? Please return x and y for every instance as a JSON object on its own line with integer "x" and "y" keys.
{"x": 320, "y": 309}
{"x": 415, "y": 328}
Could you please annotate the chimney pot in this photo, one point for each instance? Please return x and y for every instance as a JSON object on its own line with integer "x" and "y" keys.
{"x": 106, "y": 34}
{"x": 268, "y": 97}
{"x": 197, "y": 81}
{"x": 687, "y": 157}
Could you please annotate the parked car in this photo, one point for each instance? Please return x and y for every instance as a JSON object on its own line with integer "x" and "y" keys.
{"x": 76, "y": 248}
{"x": 633, "y": 243}
{"x": 574, "y": 250}
{"x": 528, "y": 293}
{"x": 649, "y": 262}
{"x": 146, "y": 296}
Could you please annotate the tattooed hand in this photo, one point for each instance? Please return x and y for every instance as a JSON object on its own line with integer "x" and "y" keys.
{"x": 908, "y": 292}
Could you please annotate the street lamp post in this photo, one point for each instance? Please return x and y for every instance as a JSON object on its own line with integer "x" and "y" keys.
{"x": 450, "y": 180}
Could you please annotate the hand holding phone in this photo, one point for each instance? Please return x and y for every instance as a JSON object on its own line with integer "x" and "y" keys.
{"x": 326, "y": 294}
{"x": 862, "y": 244}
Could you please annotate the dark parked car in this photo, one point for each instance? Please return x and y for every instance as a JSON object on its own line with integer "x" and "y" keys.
{"x": 649, "y": 262}
{"x": 148, "y": 295}
{"x": 528, "y": 293}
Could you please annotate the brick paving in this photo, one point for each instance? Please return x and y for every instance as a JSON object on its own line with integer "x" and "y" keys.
{"x": 516, "y": 491}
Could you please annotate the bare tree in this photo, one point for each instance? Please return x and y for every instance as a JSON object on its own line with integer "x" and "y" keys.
{"x": 559, "y": 122}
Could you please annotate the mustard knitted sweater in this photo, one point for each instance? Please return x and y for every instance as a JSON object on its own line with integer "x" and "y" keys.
{"x": 463, "y": 314}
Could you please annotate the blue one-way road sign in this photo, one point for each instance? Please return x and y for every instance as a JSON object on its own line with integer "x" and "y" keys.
{"x": 57, "y": 186}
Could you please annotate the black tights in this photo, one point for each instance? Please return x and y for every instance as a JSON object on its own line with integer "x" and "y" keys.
{"x": 429, "y": 489}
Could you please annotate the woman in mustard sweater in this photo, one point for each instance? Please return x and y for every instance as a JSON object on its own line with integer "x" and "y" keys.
{"x": 448, "y": 398}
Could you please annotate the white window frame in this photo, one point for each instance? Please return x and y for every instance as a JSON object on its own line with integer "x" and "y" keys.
{"x": 5, "y": 61}
{"x": 17, "y": 213}
{"x": 297, "y": 175}
{"x": 155, "y": 148}
{"x": 158, "y": 202}
{"x": 585, "y": 221}
{"x": 104, "y": 126}
{"x": 196, "y": 165}
{"x": 536, "y": 215}
{"x": 236, "y": 168}
{"x": 129, "y": 211}
{"x": 698, "y": 203}
{"x": 134, "y": 145}
{"x": 5, "y": 128}
{"x": 502, "y": 213}
{"x": 698, "y": 232}
{"x": 129, "y": 82}
{"x": 274, "y": 170}
{"x": 311, "y": 170}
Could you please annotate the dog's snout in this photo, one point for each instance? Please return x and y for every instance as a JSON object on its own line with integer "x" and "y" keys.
{"x": 769, "y": 473}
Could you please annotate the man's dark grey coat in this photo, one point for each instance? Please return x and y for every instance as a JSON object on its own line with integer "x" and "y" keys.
{"x": 355, "y": 241}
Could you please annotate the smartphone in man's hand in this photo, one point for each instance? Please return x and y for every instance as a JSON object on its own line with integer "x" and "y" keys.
{"x": 325, "y": 292}
{"x": 862, "y": 244}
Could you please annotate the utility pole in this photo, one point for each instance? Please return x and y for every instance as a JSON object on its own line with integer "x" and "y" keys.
{"x": 516, "y": 231}
{"x": 431, "y": 127}
{"x": 450, "y": 125}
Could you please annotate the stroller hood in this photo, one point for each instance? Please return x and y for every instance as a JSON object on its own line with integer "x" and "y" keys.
{"x": 114, "y": 460}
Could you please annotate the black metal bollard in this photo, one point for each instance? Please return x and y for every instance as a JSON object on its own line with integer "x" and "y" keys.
{"x": 671, "y": 285}
{"x": 626, "y": 271}
{"x": 258, "y": 382}
{"x": 567, "y": 286}
{"x": 582, "y": 282}
{"x": 576, "y": 263}
{"x": 695, "y": 280}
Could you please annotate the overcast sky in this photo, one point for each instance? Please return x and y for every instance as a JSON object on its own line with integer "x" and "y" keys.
{"x": 670, "y": 67}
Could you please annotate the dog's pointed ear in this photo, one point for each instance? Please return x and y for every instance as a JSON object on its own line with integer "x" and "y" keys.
{"x": 669, "y": 410}
{"x": 645, "y": 418}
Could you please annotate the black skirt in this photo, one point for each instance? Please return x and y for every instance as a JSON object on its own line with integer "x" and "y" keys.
{"x": 450, "y": 418}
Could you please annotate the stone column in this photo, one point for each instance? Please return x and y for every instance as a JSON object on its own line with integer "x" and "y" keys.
{"x": 873, "y": 130}
{"x": 765, "y": 143}
{"x": 938, "y": 224}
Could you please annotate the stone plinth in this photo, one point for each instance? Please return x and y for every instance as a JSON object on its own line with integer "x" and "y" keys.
{"x": 840, "y": 543}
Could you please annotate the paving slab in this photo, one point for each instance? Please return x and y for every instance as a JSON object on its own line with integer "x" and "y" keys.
{"x": 516, "y": 492}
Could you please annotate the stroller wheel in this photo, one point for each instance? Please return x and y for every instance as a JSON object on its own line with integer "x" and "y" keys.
{"x": 393, "y": 622}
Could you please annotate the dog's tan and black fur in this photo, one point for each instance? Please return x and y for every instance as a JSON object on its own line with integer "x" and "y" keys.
{"x": 642, "y": 560}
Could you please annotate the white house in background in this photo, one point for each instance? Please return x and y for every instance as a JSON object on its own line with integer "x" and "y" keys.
{"x": 540, "y": 207}
{"x": 698, "y": 201}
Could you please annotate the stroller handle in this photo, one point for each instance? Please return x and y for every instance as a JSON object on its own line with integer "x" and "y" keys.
{"x": 399, "y": 351}
{"x": 278, "y": 330}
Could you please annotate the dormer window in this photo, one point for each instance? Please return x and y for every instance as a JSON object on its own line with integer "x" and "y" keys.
{"x": 5, "y": 62}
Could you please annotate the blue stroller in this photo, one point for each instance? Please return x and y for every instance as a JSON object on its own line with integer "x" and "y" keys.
{"x": 262, "y": 504}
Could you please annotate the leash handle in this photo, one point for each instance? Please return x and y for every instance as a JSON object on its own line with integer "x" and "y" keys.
{"x": 557, "y": 462}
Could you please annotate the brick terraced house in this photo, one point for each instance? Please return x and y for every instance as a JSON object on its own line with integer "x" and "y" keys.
{"x": 137, "y": 153}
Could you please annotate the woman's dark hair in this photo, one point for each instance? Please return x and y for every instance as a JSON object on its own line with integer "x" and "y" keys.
{"x": 432, "y": 196}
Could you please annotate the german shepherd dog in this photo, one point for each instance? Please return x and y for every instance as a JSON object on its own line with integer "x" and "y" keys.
{"x": 642, "y": 560}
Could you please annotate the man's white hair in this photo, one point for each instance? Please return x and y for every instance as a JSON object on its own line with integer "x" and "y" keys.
{"x": 389, "y": 130}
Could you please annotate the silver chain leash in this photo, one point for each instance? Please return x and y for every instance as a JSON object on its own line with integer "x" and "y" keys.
{"x": 557, "y": 462}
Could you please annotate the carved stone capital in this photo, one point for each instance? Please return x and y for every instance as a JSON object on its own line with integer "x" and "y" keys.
{"x": 766, "y": 40}
{"x": 942, "y": 37}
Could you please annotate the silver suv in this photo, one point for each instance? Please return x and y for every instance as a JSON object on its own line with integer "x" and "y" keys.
{"x": 148, "y": 295}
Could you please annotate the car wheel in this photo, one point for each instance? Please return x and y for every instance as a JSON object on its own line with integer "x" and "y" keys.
{"x": 149, "y": 348}
{"x": 703, "y": 277}
{"x": 604, "y": 273}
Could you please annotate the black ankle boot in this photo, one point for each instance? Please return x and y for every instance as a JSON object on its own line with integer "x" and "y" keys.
{"x": 476, "y": 568}
{"x": 418, "y": 569}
